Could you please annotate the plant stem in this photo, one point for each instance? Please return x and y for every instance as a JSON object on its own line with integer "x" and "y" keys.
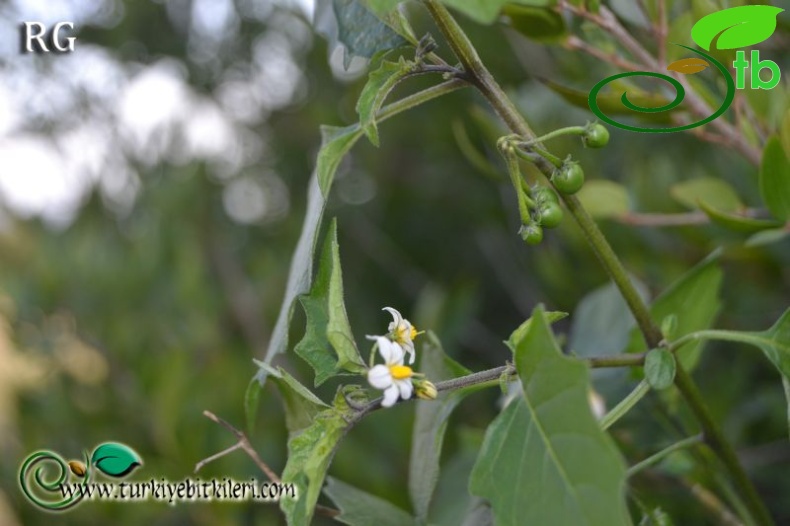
{"x": 661, "y": 455}
{"x": 625, "y": 405}
{"x": 479, "y": 76}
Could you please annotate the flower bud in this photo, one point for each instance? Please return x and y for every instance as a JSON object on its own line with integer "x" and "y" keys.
{"x": 425, "y": 390}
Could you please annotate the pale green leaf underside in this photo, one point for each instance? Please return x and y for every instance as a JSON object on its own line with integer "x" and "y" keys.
{"x": 712, "y": 190}
{"x": 361, "y": 31}
{"x": 604, "y": 199}
{"x": 359, "y": 508}
{"x": 545, "y": 460}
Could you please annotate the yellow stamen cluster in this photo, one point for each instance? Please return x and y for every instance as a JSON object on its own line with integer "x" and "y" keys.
{"x": 401, "y": 372}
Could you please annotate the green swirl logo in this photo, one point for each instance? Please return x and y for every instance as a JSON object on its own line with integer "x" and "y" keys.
{"x": 728, "y": 29}
{"x": 40, "y": 487}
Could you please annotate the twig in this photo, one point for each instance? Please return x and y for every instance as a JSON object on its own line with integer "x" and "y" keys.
{"x": 574, "y": 43}
{"x": 662, "y": 220}
{"x": 661, "y": 33}
{"x": 243, "y": 443}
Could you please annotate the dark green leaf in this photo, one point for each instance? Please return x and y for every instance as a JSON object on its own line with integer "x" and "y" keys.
{"x": 309, "y": 455}
{"x": 542, "y": 24}
{"x": 545, "y": 459}
{"x": 251, "y": 398}
{"x": 712, "y": 190}
{"x": 736, "y": 27}
{"x": 327, "y": 322}
{"x": 775, "y": 179}
{"x": 356, "y": 27}
{"x": 380, "y": 82}
{"x": 660, "y": 368}
{"x": 694, "y": 299}
{"x": 430, "y": 423}
{"x": 359, "y": 508}
{"x": 301, "y": 405}
{"x": 737, "y": 223}
{"x": 114, "y": 459}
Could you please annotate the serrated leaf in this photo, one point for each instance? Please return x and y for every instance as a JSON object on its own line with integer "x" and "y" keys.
{"x": 545, "y": 459}
{"x": 712, "y": 190}
{"x": 309, "y": 455}
{"x": 736, "y": 27}
{"x": 660, "y": 368}
{"x": 604, "y": 198}
{"x": 694, "y": 300}
{"x": 114, "y": 459}
{"x": 380, "y": 82}
{"x": 360, "y": 508}
{"x": 356, "y": 27}
{"x": 737, "y": 223}
{"x": 301, "y": 404}
{"x": 327, "y": 322}
{"x": 775, "y": 179}
{"x": 486, "y": 11}
{"x": 430, "y": 423}
{"x": 542, "y": 24}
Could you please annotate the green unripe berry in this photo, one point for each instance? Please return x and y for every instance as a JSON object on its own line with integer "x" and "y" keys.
{"x": 568, "y": 179}
{"x": 544, "y": 194}
{"x": 595, "y": 136}
{"x": 550, "y": 215}
{"x": 531, "y": 233}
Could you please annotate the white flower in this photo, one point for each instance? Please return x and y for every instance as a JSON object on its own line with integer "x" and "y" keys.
{"x": 392, "y": 377}
{"x": 402, "y": 332}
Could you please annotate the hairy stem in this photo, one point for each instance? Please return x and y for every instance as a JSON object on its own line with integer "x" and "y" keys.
{"x": 664, "y": 453}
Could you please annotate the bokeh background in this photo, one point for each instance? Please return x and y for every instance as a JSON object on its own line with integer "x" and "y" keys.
{"x": 152, "y": 187}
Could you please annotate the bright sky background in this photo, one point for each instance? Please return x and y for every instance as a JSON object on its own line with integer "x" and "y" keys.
{"x": 141, "y": 112}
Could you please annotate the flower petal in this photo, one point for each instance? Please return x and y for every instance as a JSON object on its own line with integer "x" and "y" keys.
{"x": 390, "y": 396}
{"x": 405, "y": 387}
{"x": 397, "y": 319}
{"x": 391, "y": 352}
{"x": 379, "y": 377}
{"x": 409, "y": 348}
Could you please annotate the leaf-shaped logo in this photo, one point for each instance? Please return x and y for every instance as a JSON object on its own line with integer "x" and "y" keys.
{"x": 736, "y": 27}
{"x": 114, "y": 459}
{"x": 688, "y": 66}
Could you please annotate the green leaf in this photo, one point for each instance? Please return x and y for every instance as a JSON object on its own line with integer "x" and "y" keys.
{"x": 356, "y": 27}
{"x": 736, "y": 27}
{"x": 767, "y": 237}
{"x": 327, "y": 322}
{"x": 309, "y": 455}
{"x": 359, "y": 508}
{"x": 660, "y": 368}
{"x": 694, "y": 300}
{"x": 486, "y": 11}
{"x": 737, "y": 223}
{"x": 335, "y": 144}
{"x": 114, "y": 459}
{"x": 544, "y": 459}
{"x": 542, "y": 24}
{"x": 712, "y": 190}
{"x": 380, "y": 83}
{"x": 784, "y": 133}
{"x": 251, "y": 398}
{"x": 301, "y": 405}
{"x": 775, "y": 179}
{"x": 604, "y": 199}
{"x": 430, "y": 423}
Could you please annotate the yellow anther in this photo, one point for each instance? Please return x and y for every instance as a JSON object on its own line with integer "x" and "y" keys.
{"x": 400, "y": 372}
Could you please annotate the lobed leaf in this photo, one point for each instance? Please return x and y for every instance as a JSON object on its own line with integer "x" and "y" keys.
{"x": 545, "y": 459}
{"x": 327, "y": 322}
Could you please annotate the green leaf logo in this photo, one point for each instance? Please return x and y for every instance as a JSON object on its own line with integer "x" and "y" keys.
{"x": 736, "y": 27}
{"x": 114, "y": 459}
